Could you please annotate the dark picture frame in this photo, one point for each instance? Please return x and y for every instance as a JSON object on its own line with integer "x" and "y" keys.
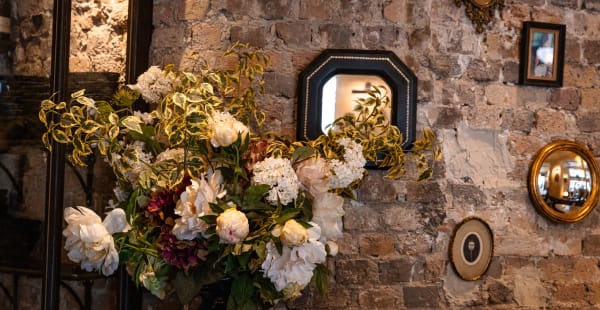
{"x": 383, "y": 64}
{"x": 471, "y": 248}
{"x": 542, "y": 54}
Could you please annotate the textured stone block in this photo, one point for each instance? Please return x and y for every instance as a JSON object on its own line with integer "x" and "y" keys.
{"x": 294, "y": 35}
{"x": 499, "y": 293}
{"x": 591, "y": 245}
{"x": 256, "y": 36}
{"x": 355, "y": 271}
{"x": 422, "y": 297}
{"x": 380, "y": 298}
{"x": 395, "y": 271}
{"x": 591, "y": 51}
{"x": 565, "y": 99}
{"x": 568, "y": 4}
{"x": 376, "y": 245}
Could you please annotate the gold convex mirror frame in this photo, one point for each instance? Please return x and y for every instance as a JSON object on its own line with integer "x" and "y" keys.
{"x": 480, "y": 12}
{"x": 563, "y": 181}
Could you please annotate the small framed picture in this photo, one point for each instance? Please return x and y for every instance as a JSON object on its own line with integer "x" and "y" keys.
{"x": 471, "y": 248}
{"x": 542, "y": 54}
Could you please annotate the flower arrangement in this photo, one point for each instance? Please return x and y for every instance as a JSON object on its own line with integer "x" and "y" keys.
{"x": 199, "y": 196}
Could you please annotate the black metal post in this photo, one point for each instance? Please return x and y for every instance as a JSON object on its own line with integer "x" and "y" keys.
{"x": 61, "y": 30}
{"x": 139, "y": 37}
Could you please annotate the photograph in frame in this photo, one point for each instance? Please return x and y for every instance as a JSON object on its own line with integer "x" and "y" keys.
{"x": 542, "y": 54}
{"x": 471, "y": 248}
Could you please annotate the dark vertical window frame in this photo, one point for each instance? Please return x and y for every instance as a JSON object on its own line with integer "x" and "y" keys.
{"x": 55, "y": 172}
{"x": 139, "y": 38}
{"x": 138, "y": 46}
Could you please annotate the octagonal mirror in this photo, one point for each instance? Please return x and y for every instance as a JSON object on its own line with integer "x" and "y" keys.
{"x": 331, "y": 84}
{"x": 563, "y": 181}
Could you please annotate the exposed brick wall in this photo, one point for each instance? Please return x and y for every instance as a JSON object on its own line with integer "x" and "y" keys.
{"x": 394, "y": 251}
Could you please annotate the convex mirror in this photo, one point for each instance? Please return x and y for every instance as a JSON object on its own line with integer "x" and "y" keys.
{"x": 563, "y": 181}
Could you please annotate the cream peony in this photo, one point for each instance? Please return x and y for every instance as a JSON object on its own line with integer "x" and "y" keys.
{"x": 89, "y": 240}
{"x": 312, "y": 174}
{"x": 194, "y": 204}
{"x": 293, "y": 234}
{"x": 327, "y": 213}
{"x": 226, "y": 129}
{"x": 232, "y": 226}
{"x": 293, "y": 269}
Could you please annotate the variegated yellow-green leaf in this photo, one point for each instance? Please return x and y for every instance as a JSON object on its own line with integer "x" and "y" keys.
{"x": 78, "y": 93}
{"x": 179, "y": 100}
{"x": 113, "y": 132}
{"x": 68, "y": 120}
{"x": 60, "y": 136}
{"x": 132, "y": 123}
{"x": 113, "y": 118}
{"x": 90, "y": 126}
{"x": 60, "y": 106}
{"x": 46, "y": 142}
{"x": 42, "y": 117}
{"x": 47, "y": 104}
{"x": 88, "y": 102}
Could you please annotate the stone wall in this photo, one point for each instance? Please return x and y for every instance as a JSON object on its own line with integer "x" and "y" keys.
{"x": 394, "y": 253}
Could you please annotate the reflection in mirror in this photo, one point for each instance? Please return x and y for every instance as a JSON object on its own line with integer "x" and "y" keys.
{"x": 341, "y": 92}
{"x": 563, "y": 181}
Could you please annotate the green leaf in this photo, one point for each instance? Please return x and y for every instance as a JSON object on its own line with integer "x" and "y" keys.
{"x": 242, "y": 293}
{"x": 288, "y": 214}
{"x": 320, "y": 275}
{"x": 302, "y": 153}
{"x": 186, "y": 287}
{"x": 256, "y": 192}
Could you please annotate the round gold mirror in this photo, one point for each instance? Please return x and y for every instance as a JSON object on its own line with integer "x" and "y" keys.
{"x": 563, "y": 180}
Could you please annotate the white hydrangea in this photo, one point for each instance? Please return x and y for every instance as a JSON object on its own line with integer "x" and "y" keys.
{"x": 137, "y": 166}
{"x": 145, "y": 117}
{"x": 294, "y": 267}
{"x": 194, "y": 204}
{"x": 351, "y": 168}
{"x": 280, "y": 176}
{"x": 154, "y": 84}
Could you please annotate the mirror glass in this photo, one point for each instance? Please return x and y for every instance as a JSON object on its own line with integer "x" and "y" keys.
{"x": 341, "y": 92}
{"x": 563, "y": 180}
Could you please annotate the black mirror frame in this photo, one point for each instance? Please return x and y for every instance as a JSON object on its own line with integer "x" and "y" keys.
{"x": 385, "y": 64}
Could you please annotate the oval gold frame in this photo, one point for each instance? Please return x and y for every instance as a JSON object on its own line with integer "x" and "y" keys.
{"x": 477, "y": 226}
{"x": 534, "y": 193}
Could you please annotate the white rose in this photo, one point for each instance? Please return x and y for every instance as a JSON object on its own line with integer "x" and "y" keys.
{"x": 327, "y": 213}
{"x": 226, "y": 129}
{"x": 232, "y": 226}
{"x": 89, "y": 240}
{"x": 312, "y": 173}
{"x": 293, "y": 234}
